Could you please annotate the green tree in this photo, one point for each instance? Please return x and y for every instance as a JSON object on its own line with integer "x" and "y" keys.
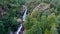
{"x": 8, "y": 10}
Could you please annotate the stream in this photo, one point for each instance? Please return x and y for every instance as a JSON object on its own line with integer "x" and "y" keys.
{"x": 21, "y": 25}
{"x": 24, "y": 16}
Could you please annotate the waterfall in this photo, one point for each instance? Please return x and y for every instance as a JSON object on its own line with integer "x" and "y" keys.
{"x": 24, "y": 15}
{"x": 19, "y": 29}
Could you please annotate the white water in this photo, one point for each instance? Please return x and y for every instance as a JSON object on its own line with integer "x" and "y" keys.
{"x": 19, "y": 29}
{"x": 25, "y": 11}
{"x": 24, "y": 16}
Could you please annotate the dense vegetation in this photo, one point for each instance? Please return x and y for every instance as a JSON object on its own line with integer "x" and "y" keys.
{"x": 43, "y": 21}
{"x": 9, "y": 9}
{"x": 46, "y": 21}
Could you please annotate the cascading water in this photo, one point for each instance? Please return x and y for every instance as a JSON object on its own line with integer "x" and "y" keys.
{"x": 19, "y": 29}
{"x": 25, "y": 11}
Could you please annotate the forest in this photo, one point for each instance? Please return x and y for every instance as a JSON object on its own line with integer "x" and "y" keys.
{"x": 42, "y": 16}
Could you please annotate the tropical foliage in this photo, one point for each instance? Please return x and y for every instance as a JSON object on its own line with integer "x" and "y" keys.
{"x": 8, "y": 10}
{"x": 42, "y": 21}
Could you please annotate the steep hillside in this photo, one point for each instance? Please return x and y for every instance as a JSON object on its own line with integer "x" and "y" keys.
{"x": 43, "y": 18}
